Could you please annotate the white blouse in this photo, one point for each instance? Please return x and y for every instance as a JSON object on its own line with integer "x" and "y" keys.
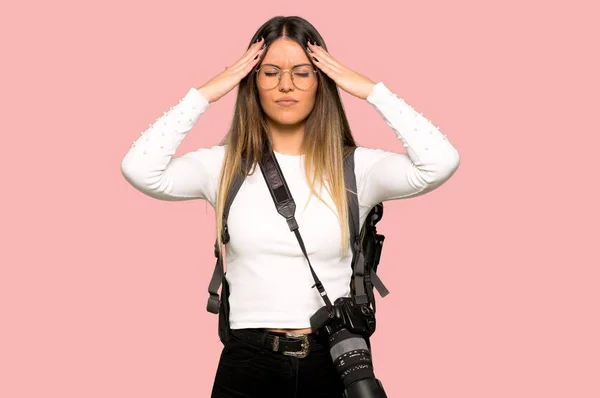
{"x": 269, "y": 278}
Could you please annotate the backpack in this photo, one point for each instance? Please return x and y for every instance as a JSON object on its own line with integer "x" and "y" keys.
{"x": 366, "y": 246}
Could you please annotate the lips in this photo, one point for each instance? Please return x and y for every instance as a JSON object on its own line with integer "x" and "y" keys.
{"x": 286, "y": 98}
{"x": 286, "y": 102}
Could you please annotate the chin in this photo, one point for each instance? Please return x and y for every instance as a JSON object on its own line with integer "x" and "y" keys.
{"x": 288, "y": 119}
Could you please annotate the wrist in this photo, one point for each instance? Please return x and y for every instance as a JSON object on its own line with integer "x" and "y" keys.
{"x": 204, "y": 93}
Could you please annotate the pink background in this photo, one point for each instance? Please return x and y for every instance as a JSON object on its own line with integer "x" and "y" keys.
{"x": 493, "y": 277}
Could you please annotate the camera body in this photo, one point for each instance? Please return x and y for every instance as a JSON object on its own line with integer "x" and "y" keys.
{"x": 347, "y": 314}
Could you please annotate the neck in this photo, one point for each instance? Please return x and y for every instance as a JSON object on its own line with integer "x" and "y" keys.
{"x": 287, "y": 138}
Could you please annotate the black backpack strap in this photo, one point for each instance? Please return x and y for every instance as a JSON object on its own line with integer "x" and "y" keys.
{"x": 218, "y": 273}
{"x": 358, "y": 260}
{"x": 372, "y": 245}
{"x": 363, "y": 281}
{"x": 216, "y": 304}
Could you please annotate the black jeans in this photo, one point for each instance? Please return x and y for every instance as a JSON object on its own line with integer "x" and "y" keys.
{"x": 247, "y": 371}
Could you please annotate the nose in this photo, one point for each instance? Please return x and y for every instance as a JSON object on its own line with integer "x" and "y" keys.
{"x": 286, "y": 82}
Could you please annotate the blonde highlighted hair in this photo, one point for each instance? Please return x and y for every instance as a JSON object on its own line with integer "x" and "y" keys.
{"x": 327, "y": 136}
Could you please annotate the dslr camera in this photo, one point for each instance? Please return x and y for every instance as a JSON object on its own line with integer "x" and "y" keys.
{"x": 348, "y": 328}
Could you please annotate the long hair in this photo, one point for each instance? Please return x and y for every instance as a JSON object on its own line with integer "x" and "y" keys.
{"x": 327, "y": 136}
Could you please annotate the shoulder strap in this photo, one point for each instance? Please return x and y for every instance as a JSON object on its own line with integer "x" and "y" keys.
{"x": 218, "y": 273}
{"x": 362, "y": 279}
{"x": 358, "y": 260}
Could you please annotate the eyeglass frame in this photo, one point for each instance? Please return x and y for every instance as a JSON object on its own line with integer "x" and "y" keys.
{"x": 281, "y": 74}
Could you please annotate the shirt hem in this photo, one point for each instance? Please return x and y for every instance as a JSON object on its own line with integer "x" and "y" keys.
{"x": 277, "y": 325}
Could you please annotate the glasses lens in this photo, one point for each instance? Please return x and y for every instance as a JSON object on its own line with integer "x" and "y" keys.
{"x": 268, "y": 77}
{"x": 304, "y": 77}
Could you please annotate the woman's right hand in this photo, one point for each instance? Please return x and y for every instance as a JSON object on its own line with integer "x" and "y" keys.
{"x": 225, "y": 81}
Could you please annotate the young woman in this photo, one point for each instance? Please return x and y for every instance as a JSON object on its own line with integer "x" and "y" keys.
{"x": 287, "y": 99}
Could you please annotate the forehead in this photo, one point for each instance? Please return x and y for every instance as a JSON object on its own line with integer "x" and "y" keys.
{"x": 285, "y": 53}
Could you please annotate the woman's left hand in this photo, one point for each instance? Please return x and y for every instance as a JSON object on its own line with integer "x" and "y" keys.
{"x": 350, "y": 81}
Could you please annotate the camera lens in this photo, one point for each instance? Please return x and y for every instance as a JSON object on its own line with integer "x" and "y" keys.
{"x": 351, "y": 356}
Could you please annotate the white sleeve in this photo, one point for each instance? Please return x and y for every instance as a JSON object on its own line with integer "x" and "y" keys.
{"x": 430, "y": 159}
{"x": 150, "y": 167}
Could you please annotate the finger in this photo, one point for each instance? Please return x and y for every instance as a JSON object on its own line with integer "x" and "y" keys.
{"x": 327, "y": 69}
{"x": 250, "y": 64}
{"x": 254, "y": 49}
{"x": 251, "y": 57}
{"x": 250, "y": 54}
{"x": 325, "y": 59}
{"x": 256, "y": 44}
{"x": 323, "y": 64}
{"x": 319, "y": 51}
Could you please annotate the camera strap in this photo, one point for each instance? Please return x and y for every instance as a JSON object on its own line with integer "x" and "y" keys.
{"x": 286, "y": 206}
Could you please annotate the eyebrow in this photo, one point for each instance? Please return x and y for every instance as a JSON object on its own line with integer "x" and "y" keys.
{"x": 279, "y": 67}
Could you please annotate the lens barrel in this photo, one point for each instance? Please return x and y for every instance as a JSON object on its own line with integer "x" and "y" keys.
{"x": 352, "y": 359}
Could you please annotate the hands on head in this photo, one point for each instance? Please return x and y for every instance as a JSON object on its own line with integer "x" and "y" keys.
{"x": 225, "y": 81}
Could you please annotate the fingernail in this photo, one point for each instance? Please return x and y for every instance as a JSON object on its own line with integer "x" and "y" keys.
{"x": 309, "y": 50}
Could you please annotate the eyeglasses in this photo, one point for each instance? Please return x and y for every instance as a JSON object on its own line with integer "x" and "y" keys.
{"x": 303, "y": 77}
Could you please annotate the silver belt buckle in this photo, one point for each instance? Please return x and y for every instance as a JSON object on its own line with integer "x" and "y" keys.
{"x": 298, "y": 354}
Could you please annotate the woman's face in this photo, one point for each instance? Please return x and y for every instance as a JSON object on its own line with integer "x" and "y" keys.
{"x": 285, "y": 54}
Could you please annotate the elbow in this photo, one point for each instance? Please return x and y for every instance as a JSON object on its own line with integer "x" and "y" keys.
{"x": 129, "y": 170}
{"x": 447, "y": 167}
{"x": 147, "y": 181}
{"x": 452, "y": 163}
{"x": 432, "y": 175}
{"x": 134, "y": 173}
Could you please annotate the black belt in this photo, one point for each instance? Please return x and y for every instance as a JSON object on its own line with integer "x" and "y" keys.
{"x": 291, "y": 344}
